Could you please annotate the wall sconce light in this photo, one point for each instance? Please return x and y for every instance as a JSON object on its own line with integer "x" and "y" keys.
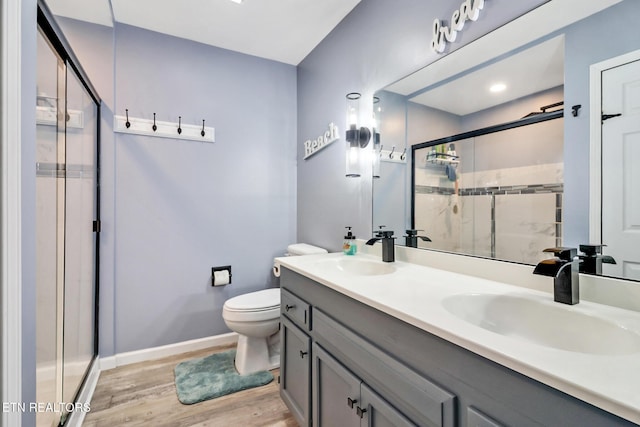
{"x": 377, "y": 112}
{"x": 357, "y": 137}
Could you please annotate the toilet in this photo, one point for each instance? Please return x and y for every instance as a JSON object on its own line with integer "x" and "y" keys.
{"x": 255, "y": 317}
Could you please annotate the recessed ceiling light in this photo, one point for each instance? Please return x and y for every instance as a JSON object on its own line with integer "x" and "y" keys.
{"x": 237, "y": 1}
{"x": 498, "y": 87}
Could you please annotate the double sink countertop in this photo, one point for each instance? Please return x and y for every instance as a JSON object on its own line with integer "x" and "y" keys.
{"x": 590, "y": 351}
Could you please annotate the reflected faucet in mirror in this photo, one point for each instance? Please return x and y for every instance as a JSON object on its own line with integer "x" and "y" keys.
{"x": 411, "y": 239}
{"x": 564, "y": 270}
{"x": 387, "y": 240}
{"x": 592, "y": 259}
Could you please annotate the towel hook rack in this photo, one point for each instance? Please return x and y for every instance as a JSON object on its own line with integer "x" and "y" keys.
{"x": 202, "y": 131}
{"x": 179, "y": 125}
{"x": 127, "y": 123}
{"x": 154, "y": 127}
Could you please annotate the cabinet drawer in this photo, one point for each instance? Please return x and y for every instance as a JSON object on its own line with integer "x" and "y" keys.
{"x": 419, "y": 399}
{"x": 296, "y": 309}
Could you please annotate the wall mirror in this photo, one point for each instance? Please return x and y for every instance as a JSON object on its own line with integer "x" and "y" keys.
{"x": 503, "y": 172}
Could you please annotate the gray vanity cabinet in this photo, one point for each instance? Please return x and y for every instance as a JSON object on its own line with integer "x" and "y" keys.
{"x": 397, "y": 374}
{"x": 340, "y": 398}
{"x": 295, "y": 357}
{"x": 350, "y": 381}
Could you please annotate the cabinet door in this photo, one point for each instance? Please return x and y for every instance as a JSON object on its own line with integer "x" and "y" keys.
{"x": 377, "y": 412}
{"x": 295, "y": 371}
{"x": 336, "y": 392}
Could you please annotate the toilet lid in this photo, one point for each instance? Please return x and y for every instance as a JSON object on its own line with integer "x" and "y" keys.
{"x": 255, "y": 301}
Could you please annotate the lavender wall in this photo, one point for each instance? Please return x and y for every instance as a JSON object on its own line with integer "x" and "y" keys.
{"x": 182, "y": 207}
{"x": 586, "y": 45}
{"x": 377, "y": 43}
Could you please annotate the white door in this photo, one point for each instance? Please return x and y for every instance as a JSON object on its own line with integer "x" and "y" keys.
{"x": 621, "y": 169}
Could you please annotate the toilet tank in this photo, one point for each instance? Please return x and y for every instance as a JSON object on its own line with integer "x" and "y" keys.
{"x": 304, "y": 249}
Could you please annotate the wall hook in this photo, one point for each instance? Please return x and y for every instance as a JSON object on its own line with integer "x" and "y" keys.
{"x": 127, "y": 123}
{"x": 404, "y": 154}
{"x": 393, "y": 149}
{"x": 154, "y": 127}
{"x": 179, "y": 125}
{"x": 575, "y": 109}
{"x": 202, "y": 131}
{"x": 380, "y": 154}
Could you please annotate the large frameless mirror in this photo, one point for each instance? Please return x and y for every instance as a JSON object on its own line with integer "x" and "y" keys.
{"x": 500, "y": 142}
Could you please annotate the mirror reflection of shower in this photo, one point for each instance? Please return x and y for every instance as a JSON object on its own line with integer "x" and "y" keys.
{"x": 496, "y": 194}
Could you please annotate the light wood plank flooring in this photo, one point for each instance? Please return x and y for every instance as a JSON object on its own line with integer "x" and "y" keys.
{"x": 144, "y": 394}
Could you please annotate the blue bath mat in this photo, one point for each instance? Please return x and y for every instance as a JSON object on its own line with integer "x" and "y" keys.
{"x": 214, "y": 376}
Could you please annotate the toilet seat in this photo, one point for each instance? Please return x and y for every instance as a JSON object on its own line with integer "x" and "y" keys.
{"x": 253, "y": 307}
{"x": 253, "y": 301}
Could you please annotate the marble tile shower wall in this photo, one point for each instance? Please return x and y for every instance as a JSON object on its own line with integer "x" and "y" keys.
{"x": 510, "y": 213}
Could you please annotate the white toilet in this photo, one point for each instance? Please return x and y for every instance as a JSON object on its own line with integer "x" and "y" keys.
{"x": 255, "y": 317}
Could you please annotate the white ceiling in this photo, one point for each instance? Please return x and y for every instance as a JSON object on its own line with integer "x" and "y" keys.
{"x": 531, "y": 71}
{"x": 280, "y": 30}
{"x": 545, "y": 19}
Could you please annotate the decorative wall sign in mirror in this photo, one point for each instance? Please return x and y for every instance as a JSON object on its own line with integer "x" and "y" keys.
{"x": 490, "y": 175}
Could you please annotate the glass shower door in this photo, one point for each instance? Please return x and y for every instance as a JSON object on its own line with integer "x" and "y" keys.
{"x": 49, "y": 227}
{"x": 80, "y": 244}
{"x": 66, "y": 246}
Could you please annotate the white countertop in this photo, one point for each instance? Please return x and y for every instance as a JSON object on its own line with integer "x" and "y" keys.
{"x": 414, "y": 294}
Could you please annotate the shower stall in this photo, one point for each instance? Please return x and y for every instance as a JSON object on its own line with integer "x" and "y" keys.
{"x": 494, "y": 192}
{"x": 67, "y": 224}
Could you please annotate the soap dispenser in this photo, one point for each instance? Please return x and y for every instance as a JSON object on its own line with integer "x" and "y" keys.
{"x": 349, "y": 246}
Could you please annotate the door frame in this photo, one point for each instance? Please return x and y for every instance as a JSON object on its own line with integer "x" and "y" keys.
{"x": 595, "y": 138}
{"x": 11, "y": 31}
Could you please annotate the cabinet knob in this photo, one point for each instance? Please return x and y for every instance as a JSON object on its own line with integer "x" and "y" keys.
{"x": 303, "y": 353}
{"x": 360, "y": 412}
{"x": 289, "y": 307}
{"x": 350, "y": 402}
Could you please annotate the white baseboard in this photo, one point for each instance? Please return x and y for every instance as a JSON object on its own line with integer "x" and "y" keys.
{"x": 153, "y": 353}
{"x": 76, "y": 418}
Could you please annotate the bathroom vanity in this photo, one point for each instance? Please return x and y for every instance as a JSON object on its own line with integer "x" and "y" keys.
{"x": 390, "y": 344}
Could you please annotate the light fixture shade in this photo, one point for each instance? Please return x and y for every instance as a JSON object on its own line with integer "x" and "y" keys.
{"x": 353, "y": 159}
{"x": 375, "y": 154}
{"x": 357, "y": 137}
{"x": 352, "y": 136}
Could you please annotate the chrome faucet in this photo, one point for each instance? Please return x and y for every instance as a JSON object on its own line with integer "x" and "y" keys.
{"x": 387, "y": 239}
{"x": 411, "y": 239}
{"x": 564, "y": 270}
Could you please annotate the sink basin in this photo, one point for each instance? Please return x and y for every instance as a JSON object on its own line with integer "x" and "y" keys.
{"x": 543, "y": 322}
{"x": 360, "y": 267}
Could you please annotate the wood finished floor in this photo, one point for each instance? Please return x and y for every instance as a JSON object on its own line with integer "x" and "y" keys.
{"x": 144, "y": 394}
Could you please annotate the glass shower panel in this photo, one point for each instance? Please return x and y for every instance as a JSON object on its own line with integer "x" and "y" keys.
{"x": 438, "y": 207}
{"x": 500, "y": 196}
{"x": 66, "y": 207}
{"x": 80, "y": 197}
{"x": 521, "y": 169}
{"x": 49, "y": 226}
